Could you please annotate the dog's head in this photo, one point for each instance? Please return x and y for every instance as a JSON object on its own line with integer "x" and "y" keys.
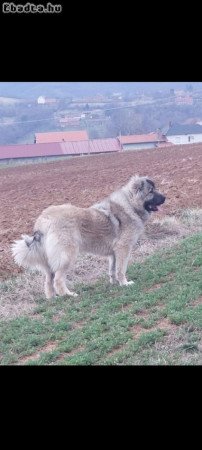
{"x": 145, "y": 194}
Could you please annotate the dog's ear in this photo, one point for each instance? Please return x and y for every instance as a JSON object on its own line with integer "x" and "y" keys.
{"x": 137, "y": 183}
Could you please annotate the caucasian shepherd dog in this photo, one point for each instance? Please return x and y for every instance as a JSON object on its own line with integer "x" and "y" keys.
{"x": 110, "y": 228}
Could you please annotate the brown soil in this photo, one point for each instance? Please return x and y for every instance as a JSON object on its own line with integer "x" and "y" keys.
{"x": 163, "y": 324}
{"x": 26, "y": 190}
{"x": 46, "y": 349}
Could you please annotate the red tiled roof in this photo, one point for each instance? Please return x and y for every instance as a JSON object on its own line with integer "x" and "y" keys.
{"x": 91, "y": 146}
{"x": 29, "y": 150}
{"x": 60, "y": 136}
{"x": 59, "y": 149}
{"x": 140, "y": 138}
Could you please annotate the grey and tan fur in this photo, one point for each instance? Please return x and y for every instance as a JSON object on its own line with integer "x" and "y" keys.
{"x": 109, "y": 228}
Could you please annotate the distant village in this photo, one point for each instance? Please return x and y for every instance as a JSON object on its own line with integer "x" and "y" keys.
{"x": 74, "y": 119}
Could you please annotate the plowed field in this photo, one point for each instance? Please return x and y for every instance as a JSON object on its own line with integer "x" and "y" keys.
{"x": 26, "y": 190}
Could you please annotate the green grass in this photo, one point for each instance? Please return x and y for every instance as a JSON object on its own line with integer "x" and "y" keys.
{"x": 157, "y": 320}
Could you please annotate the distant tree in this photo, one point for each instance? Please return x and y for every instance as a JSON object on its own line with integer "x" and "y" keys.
{"x": 110, "y": 109}
{"x": 126, "y": 121}
{"x": 189, "y": 87}
{"x": 93, "y": 133}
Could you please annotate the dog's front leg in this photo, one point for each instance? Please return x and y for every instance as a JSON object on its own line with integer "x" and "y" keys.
{"x": 122, "y": 255}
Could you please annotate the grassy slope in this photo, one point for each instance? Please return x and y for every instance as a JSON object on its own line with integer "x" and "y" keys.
{"x": 158, "y": 320}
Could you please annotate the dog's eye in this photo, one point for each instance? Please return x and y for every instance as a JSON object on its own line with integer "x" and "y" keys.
{"x": 151, "y": 190}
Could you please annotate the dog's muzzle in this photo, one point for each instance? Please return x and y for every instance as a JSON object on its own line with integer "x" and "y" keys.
{"x": 152, "y": 205}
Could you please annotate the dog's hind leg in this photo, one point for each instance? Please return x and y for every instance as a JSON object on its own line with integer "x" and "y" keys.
{"x": 48, "y": 285}
{"x": 60, "y": 275}
{"x": 112, "y": 269}
{"x": 60, "y": 284}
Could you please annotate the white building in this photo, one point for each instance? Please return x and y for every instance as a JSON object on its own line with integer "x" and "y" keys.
{"x": 142, "y": 141}
{"x": 41, "y": 100}
{"x": 184, "y": 134}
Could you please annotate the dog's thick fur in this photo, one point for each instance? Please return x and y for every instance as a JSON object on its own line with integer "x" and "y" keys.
{"x": 109, "y": 228}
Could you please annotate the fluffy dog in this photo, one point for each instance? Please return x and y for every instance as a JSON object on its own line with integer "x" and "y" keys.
{"x": 110, "y": 228}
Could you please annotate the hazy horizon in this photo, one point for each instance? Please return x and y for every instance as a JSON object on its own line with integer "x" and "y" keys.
{"x": 81, "y": 88}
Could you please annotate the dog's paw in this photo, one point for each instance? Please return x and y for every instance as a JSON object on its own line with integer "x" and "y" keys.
{"x": 126, "y": 283}
{"x": 129, "y": 282}
{"x": 73, "y": 294}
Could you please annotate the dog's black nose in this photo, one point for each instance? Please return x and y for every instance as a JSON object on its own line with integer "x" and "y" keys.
{"x": 159, "y": 199}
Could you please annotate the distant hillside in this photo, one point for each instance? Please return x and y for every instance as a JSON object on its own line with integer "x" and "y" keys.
{"x": 31, "y": 90}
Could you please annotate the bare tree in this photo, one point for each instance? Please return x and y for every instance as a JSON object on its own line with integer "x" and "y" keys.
{"x": 126, "y": 121}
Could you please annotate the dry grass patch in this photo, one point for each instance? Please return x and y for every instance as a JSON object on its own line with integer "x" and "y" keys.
{"x": 18, "y": 296}
{"x": 178, "y": 348}
{"x": 160, "y": 228}
{"x": 192, "y": 217}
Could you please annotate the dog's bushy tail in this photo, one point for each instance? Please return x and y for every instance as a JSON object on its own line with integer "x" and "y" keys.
{"x": 28, "y": 252}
